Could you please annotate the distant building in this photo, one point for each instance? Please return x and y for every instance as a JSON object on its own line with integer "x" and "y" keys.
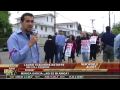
{"x": 68, "y": 28}
{"x": 44, "y": 24}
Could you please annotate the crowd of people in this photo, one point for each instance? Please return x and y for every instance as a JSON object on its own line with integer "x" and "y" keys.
{"x": 23, "y": 47}
{"x": 89, "y": 46}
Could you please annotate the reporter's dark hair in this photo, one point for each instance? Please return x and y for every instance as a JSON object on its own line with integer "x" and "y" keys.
{"x": 26, "y": 14}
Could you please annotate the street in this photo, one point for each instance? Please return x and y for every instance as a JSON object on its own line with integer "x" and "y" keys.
{"x": 5, "y": 57}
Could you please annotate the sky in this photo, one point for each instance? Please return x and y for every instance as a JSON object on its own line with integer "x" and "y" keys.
{"x": 100, "y": 18}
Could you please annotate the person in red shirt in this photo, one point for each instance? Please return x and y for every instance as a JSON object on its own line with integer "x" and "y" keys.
{"x": 72, "y": 41}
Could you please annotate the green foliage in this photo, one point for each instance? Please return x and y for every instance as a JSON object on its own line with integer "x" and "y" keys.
{"x": 4, "y": 18}
{"x": 3, "y": 42}
{"x": 5, "y": 27}
{"x": 116, "y": 28}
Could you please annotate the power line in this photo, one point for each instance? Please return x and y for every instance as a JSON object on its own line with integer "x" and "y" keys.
{"x": 92, "y": 23}
{"x": 64, "y": 17}
{"x": 54, "y": 21}
{"x": 70, "y": 19}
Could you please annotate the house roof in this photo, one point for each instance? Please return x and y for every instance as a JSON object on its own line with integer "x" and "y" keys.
{"x": 67, "y": 23}
{"x": 41, "y": 15}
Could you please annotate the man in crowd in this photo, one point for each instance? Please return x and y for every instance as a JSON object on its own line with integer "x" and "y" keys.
{"x": 108, "y": 45}
{"x": 60, "y": 42}
{"x": 94, "y": 45}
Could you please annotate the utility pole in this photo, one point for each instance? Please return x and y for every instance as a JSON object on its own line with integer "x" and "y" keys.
{"x": 103, "y": 27}
{"x": 92, "y": 23}
{"x": 114, "y": 19}
{"x": 103, "y": 23}
{"x": 109, "y": 20}
{"x": 54, "y": 22}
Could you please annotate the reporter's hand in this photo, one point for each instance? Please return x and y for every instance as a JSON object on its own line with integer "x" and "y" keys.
{"x": 33, "y": 40}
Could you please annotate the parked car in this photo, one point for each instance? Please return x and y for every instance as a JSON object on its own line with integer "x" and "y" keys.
{"x": 5, "y": 48}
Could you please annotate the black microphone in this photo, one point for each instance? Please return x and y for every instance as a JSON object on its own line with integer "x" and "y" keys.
{"x": 30, "y": 33}
{"x": 33, "y": 32}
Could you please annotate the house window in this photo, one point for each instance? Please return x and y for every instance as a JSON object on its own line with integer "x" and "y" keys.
{"x": 41, "y": 27}
{"x": 52, "y": 29}
{"x": 51, "y": 19}
{"x": 35, "y": 26}
{"x": 47, "y": 19}
{"x": 67, "y": 26}
{"x": 71, "y": 26}
{"x": 45, "y": 29}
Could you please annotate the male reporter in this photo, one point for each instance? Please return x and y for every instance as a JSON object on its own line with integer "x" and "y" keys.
{"x": 22, "y": 44}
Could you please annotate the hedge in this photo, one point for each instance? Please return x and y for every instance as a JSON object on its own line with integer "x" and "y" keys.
{"x": 3, "y": 42}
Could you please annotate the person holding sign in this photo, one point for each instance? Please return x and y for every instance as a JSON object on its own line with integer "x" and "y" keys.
{"x": 70, "y": 49}
{"x": 94, "y": 42}
{"x": 85, "y": 47}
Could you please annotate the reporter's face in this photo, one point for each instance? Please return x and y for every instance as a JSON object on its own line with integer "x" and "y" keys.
{"x": 28, "y": 23}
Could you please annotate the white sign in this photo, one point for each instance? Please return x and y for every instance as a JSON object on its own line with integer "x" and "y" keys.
{"x": 93, "y": 39}
{"x": 85, "y": 46}
{"x": 68, "y": 49}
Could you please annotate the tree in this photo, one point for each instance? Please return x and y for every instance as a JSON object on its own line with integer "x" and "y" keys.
{"x": 5, "y": 27}
{"x": 4, "y": 16}
{"x": 116, "y": 28}
{"x": 79, "y": 27}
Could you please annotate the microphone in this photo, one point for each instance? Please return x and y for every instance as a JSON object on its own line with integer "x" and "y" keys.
{"x": 33, "y": 32}
{"x": 30, "y": 33}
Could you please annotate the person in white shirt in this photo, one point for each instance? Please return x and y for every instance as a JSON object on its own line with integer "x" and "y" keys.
{"x": 117, "y": 47}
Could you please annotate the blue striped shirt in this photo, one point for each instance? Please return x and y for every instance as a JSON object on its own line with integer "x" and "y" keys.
{"x": 117, "y": 46}
{"x": 19, "y": 50}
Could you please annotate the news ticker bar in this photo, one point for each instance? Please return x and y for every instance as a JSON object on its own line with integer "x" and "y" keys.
{"x": 60, "y": 77}
{"x": 60, "y": 70}
{"x": 104, "y": 67}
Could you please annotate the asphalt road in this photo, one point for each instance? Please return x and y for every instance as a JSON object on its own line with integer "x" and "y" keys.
{"x": 5, "y": 57}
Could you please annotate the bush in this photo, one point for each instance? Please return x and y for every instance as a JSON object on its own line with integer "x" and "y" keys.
{"x": 3, "y": 42}
{"x": 5, "y": 49}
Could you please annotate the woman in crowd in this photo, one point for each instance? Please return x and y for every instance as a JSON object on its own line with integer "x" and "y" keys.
{"x": 49, "y": 49}
{"x": 85, "y": 46}
{"x": 71, "y": 41}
